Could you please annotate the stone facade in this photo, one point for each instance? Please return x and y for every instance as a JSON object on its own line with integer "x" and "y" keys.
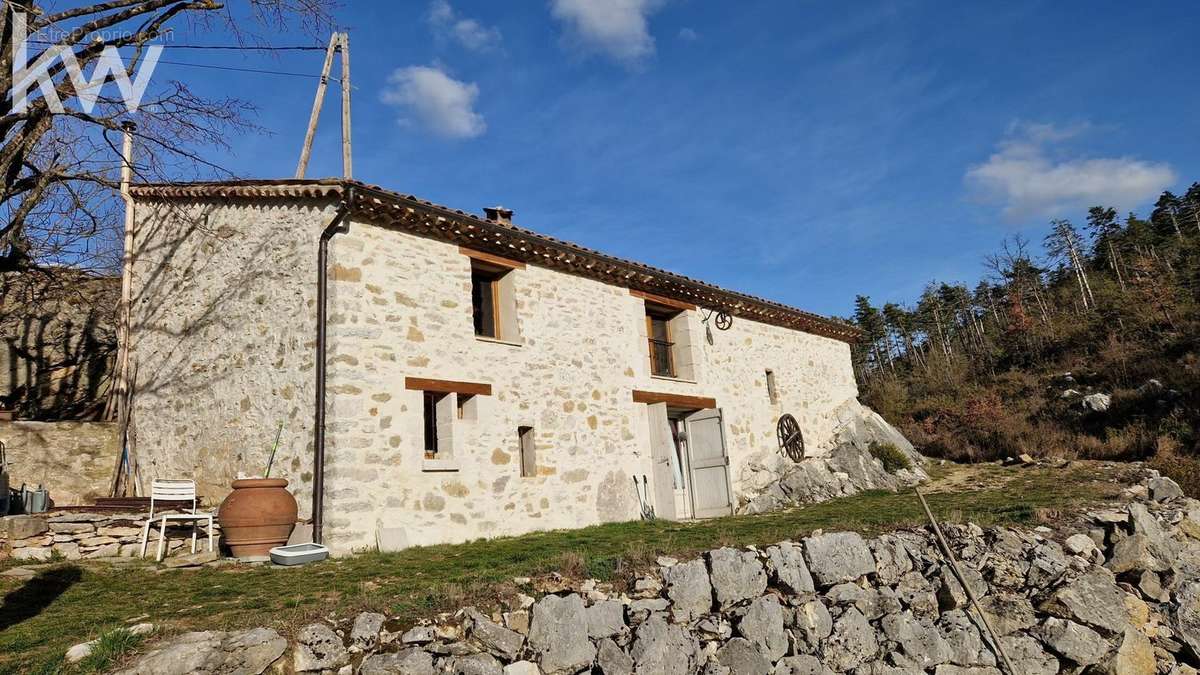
{"x": 73, "y": 460}
{"x": 224, "y": 342}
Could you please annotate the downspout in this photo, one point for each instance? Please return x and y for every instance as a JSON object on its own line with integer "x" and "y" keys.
{"x": 335, "y": 227}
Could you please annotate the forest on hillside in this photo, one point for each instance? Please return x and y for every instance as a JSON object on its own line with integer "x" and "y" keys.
{"x": 1085, "y": 344}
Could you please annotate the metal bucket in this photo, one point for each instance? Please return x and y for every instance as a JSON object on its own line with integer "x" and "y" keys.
{"x": 35, "y": 501}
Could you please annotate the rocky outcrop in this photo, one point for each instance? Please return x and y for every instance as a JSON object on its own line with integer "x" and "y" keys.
{"x": 830, "y": 603}
{"x": 843, "y": 469}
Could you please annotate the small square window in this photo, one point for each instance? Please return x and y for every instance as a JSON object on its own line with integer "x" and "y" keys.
{"x": 528, "y": 453}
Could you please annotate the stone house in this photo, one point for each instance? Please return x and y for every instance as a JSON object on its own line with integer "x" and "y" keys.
{"x": 482, "y": 379}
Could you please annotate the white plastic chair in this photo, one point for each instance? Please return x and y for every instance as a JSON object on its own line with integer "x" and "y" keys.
{"x": 174, "y": 490}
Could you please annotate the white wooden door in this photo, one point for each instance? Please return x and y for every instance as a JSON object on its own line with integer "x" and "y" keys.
{"x": 708, "y": 464}
{"x": 662, "y": 446}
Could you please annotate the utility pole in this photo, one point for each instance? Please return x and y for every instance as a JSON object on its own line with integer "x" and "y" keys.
{"x": 338, "y": 43}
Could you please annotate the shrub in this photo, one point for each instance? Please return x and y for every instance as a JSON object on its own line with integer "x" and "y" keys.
{"x": 892, "y": 457}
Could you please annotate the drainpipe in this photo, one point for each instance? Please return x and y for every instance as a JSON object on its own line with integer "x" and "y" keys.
{"x": 335, "y": 226}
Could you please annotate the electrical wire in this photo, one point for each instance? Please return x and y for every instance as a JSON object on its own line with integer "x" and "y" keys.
{"x": 247, "y": 70}
{"x": 290, "y": 48}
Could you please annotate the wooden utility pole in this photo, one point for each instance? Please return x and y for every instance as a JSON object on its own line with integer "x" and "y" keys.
{"x": 120, "y": 399}
{"x": 338, "y": 43}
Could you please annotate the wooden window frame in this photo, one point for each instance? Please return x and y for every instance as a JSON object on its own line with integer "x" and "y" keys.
{"x": 666, "y": 315}
{"x": 494, "y": 275}
{"x": 429, "y": 435}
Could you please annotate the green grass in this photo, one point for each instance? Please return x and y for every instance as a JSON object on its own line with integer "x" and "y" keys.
{"x": 69, "y": 603}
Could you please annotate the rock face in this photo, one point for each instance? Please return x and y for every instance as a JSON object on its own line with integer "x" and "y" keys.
{"x": 847, "y": 467}
{"x": 834, "y": 603}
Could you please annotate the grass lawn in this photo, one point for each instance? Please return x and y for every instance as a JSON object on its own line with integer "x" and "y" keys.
{"x": 68, "y": 603}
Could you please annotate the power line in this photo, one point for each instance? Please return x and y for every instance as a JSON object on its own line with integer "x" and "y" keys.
{"x": 246, "y": 70}
{"x": 289, "y": 48}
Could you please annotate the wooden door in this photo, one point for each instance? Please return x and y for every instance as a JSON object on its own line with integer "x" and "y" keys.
{"x": 708, "y": 464}
{"x": 662, "y": 445}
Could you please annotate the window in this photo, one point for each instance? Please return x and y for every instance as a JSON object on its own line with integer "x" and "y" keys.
{"x": 658, "y": 331}
{"x": 485, "y": 301}
{"x": 528, "y": 456}
{"x": 431, "y": 401}
{"x": 772, "y": 392}
{"x": 493, "y": 302}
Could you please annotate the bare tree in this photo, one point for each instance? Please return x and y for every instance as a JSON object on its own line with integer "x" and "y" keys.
{"x": 60, "y": 165}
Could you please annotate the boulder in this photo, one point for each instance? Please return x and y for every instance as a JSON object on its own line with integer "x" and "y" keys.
{"x": 1163, "y": 488}
{"x": 365, "y": 632}
{"x": 522, "y": 668}
{"x": 785, "y": 563}
{"x": 736, "y": 576}
{"x": 1096, "y": 402}
{"x": 411, "y": 661}
{"x": 1093, "y": 599}
{"x": 742, "y": 657}
{"x": 611, "y": 660}
{"x": 1133, "y": 553}
{"x": 319, "y": 648}
{"x": 558, "y": 634}
{"x": 248, "y": 652}
{"x": 471, "y": 664}
{"x": 813, "y": 624}
{"x": 688, "y": 589}
{"x": 892, "y": 560}
{"x": 1187, "y": 615}
{"x": 762, "y": 625}
{"x": 659, "y": 647}
{"x": 1081, "y": 545}
{"x": 837, "y": 557}
{"x": 1008, "y": 613}
{"x": 1074, "y": 642}
{"x": 1028, "y": 657}
{"x": 606, "y": 619}
{"x": 1134, "y": 655}
{"x": 494, "y": 638}
{"x": 920, "y": 642}
{"x": 851, "y": 643}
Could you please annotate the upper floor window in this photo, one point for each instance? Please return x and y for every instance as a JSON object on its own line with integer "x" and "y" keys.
{"x": 485, "y": 301}
{"x": 662, "y": 347}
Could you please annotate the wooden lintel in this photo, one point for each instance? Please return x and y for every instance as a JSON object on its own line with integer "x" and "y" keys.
{"x": 660, "y": 300}
{"x": 447, "y": 386}
{"x": 491, "y": 258}
{"x": 680, "y": 400}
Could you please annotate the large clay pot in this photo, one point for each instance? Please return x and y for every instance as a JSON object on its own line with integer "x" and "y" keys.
{"x": 257, "y": 516}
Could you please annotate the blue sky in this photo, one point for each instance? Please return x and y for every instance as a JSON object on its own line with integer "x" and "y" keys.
{"x": 802, "y": 151}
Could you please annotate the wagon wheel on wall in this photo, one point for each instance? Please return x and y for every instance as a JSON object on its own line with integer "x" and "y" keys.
{"x": 791, "y": 440}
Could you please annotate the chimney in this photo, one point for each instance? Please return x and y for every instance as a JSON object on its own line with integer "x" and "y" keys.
{"x": 498, "y": 214}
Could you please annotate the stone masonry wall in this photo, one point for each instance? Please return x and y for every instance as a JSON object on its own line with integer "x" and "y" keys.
{"x": 75, "y": 535}
{"x": 73, "y": 460}
{"x": 225, "y": 319}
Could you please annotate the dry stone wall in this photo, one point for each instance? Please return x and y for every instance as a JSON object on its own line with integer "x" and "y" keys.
{"x": 73, "y": 460}
{"x": 75, "y": 535}
{"x": 1121, "y": 596}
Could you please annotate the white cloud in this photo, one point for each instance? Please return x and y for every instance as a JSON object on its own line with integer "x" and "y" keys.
{"x": 1029, "y": 178}
{"x": 688, "y": 34}
{"x": 615, "y": 27}
{"x": 469, "y": 33}
{"x": 439, "y": 102}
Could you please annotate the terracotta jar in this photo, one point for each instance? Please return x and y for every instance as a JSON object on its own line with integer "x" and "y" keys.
{"x": 257, "y": 516}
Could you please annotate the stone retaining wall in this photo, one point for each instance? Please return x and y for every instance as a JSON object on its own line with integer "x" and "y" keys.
{"x": 1118, "y": 594}
{"x": 75, "y": 535}
{"x": 73, "y": 460}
